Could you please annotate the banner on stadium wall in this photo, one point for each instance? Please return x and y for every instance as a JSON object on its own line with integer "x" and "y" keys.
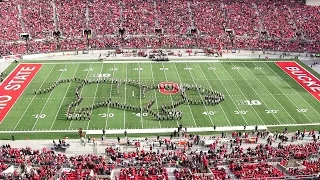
{"x": 12, "y": 57}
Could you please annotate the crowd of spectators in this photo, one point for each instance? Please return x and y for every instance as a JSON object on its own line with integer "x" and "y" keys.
{"x": 139, "y": 17}
{"x": 208, "y": 18}
{"x": 242, "y": 18}
{"x": 310, "y": 168}
{"x": 148, "y": 173}
{"x": 45, "y": 163}
{"x": 71, "y": 16}
{"x": 207, "y": 163}
{"x": 104, "y": 17}
{"x": 10, "y": 26}
{"x": 271, "y": 25}
{"x": 255, "y": 171}
{"x": 173, "y": 16}
{"x": 277, "y": 19}
{"x": 37, "y": 18}
{"x": 307, "y": 19}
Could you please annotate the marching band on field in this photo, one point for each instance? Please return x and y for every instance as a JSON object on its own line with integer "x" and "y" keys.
{"x": 168, "y": 112}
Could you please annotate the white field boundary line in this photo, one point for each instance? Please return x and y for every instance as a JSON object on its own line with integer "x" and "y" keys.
{"x": 155, "y": 93}
{"x": 95, "y": 94}
{"x": 241, "y": 92}
{"x": 89, "y": 69}
{"x": 255, "y": 93}
{"x": 194, "y": 120}
{"x": 119, "y": 61}
{"x": 64, "y": 97}
{"x": 157, "y": 130}
{"x": 20, "y": 93}
{"x": 296, "y": 80}
{"x": 212, "y": 90}
{"x": 165, "y": 75}
{"x": 110, "y": 95}
{"x": 140, "y": 96}
{"x": 235, "y": 105}
{"x": 293, "y": 90}
{"x": 125, "y": 97}
{"x": 32, "y": 97}
{"x": 45, "y": 104}
{"x": 199, "y": 93}
{"x": 270, "y": 92}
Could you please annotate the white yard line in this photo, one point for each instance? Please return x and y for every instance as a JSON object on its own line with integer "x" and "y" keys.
{"x": 256, "y": 92}
{"x": 212, "y": 90}
{"x": 288, "y": 97}
{"x": 55, "y": 117}
{"x": 95, "y": 94}
{"x": 80, "y": 94}
{"x": 45, "y": 104}
{"x": 269, "y": 93}
{"x": 194, "y": 120}
{"x": 125, "y": 97}
{"x": 110, "y": 94}
{"x": 155, "y": 93}
{"x": 198, "y": 92}
{"x": 229, "y": 94}
{"x": 140, "y": 97}
{"x": 21, "y": 117}
{"x": 242, "y": 92}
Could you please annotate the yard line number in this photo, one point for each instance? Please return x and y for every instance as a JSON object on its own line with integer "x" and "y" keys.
{"x": 137, "y": 69}
{"x": 39, "y": 116}
{"x": 209, "y": 113}
{"x": 271, "y": 111}
{"x": 62, "y": 70}
{"x": 142, "y": 114}
{"x": 114, "y": 69}
{"x": 240, "y": 112}
{"x": 212, "y": 68}
{"x": 164, "y": 69}
{"x": 249, "y": 102}
{"x": 236, "y": 68}
{"x": 88, "y": 69}
{"x": 104, "y": 115}
{"x": 302, "y": 110}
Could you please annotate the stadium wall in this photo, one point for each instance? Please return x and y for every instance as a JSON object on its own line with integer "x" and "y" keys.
{"x": 313, "y": 2}
{"x": 86, "y": 56}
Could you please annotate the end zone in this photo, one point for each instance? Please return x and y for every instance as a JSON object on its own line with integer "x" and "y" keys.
{"x": 13, "y": 86}
{"x": 302, "y": 76}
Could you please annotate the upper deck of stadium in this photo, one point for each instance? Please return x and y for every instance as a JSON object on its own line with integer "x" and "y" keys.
{"x": 59, "y": 25}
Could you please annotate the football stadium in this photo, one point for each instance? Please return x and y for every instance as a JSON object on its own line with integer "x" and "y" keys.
{"x": 159, "y": 90}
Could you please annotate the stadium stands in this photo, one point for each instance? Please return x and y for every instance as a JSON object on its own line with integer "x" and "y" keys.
{"x": 218, "y": 161}
{"x": 270, "y": 25}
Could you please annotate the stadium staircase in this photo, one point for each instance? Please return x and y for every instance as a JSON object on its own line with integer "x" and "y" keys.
{"x": 55, "y": 17}
{"x": 156, "y": 20}
{"x": 191, "y": 16}
{"x": 20, "y": 18}
{"x": 261, "y": 26}
{"x": 294, "y": 24}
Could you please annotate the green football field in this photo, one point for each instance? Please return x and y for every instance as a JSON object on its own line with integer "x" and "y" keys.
{"x": 256, "y": 93}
